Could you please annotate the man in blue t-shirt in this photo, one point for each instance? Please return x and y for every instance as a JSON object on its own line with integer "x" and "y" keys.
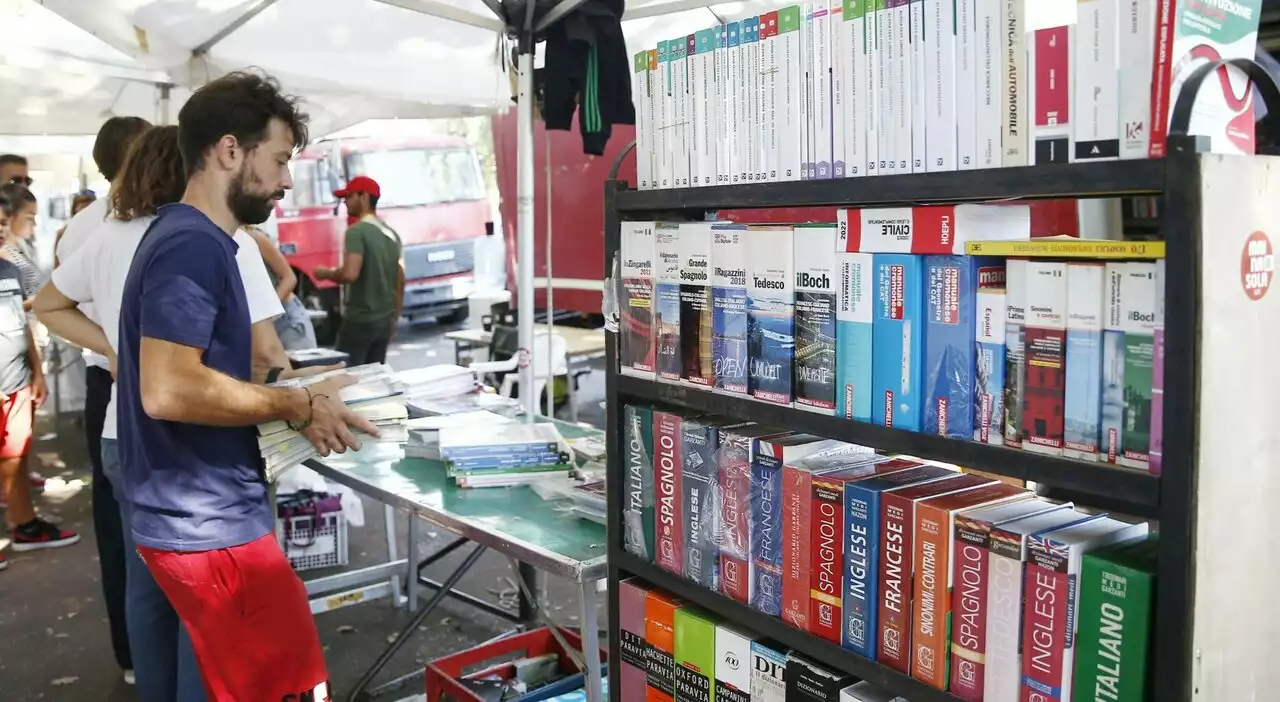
{"x": 190, "y": 465}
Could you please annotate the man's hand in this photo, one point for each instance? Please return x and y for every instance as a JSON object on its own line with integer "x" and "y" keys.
{"x": 39, "y": 390}
{"x": 309, "y": 371}
{"x": 323, "y": 272}
{"x": 331, "y": 421}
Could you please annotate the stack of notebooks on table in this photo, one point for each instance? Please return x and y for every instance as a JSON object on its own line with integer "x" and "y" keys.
{"x": 376, "y": 396}
{"x": 436, "y": 383}
{"x": 504, "y": 455}
{"x": 424, "y": 432}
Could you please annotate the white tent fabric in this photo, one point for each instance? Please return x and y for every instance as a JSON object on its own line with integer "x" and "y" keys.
{"x": 68, "y": 64}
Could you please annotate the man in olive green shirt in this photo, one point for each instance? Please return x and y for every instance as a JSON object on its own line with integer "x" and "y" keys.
{"x": 373, "y": 271}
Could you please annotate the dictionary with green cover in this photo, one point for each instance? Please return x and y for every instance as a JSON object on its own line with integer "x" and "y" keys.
{"x": 1117, "y": 596}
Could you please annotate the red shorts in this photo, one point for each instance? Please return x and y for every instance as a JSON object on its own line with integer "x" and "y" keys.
{"x": 249, "y": 621}
{"x": 17, "y": 423}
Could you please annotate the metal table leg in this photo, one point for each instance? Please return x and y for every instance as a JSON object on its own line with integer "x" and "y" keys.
{"x": 389, "y": 515}
{"x": 529, "y": 610}
{"x": 590, "y": 639}
{"x": 411, "y": 581}
{"x": 358, "y": 692}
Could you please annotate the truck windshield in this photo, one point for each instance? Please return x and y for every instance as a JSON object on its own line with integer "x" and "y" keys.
{"x": 410, "y": 177}
{"x": 312, "y": 186}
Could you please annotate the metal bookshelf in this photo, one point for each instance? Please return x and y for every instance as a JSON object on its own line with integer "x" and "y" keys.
{"x": 1220, "y": 403}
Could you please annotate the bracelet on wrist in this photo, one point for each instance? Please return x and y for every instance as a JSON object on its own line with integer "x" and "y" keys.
{"x": 301, "y": 426}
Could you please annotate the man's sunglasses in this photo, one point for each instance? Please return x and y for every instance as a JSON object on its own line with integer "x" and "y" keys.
{"x": 22, "y": 180}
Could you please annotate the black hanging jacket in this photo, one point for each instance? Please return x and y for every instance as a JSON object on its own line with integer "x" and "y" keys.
{"x": 587, "y": 69}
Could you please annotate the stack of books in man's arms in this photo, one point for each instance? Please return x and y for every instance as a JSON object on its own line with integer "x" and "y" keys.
{"x": 376, "y": 396}
{"x": 504, "y": 455}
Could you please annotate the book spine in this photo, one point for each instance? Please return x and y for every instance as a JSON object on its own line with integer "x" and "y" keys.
{"x": 1017, "y": 128}
{"x": 669, "y": 527}
{"x": 941, "y": 59}
{"x": 919, "y": 68}
{"x": 861, "y": 577}
{"x": 1083, "y": 406}
{"x": 631, "y": 636}
{"x": 931, "y": 597}
{"x": 694, "y": 133}
{"x": 766, "y": 534}
{"x": 989, "y": 37}
{"x": 1046, "y": 622}
{"x": 815, "y": 319}
{"x": 1045, "y": 334}
{"x": 734, "y": 102}
{"x": 1051, "y": 112}
{"x": 871, "y": 118}
{"x": 732, "y": 666}
{"x": 678, "y": 49}
{"x": 856, "y": 281}
{"x": 1157, "y": 375}
{"x": 969, "y": 610}
{"x": 735, "y": 539}
{"x": 989, "y": 369}
{"x": 897, "y": 537}
{"x": 1137, "y": 20}
{"x": 770, "y": 79}
{"x": 821, "y": 82}
{"x": 896, "y": 343}
{"x": 1015, "y": 373}
{"x": 695, "y": 657}
{"x": 696, "y": 361}
{"x": 968, "y": 87}
{"x": 826, "y": 541}
{"x": 886, "y": 75}
{"x": 768, "y": 674}
{"x": 660, "y": 650}
{"x": 640, "y": 91}
{"x": 750, "y": 71}
{"x": 1115, "y": 631}
{"x": 496, "y": 462}
{"x": 789, "y": 95}
{"x": 839, "y": 70}
{"x": 1002, "y": 674}
{"x": 1128, "y": 363}
{"x": 508, "y": 451}
{"x": 771, "y": 310}
{"x": 797, "y": 510}
{"x": 662, "y": 114}
{"x": 701, "y": 512}
{"x": 949, "y": 345}
{"x": 902, "y": 35}
{"x": 1161, "y": 76}
{"x": 1096, "y": 101}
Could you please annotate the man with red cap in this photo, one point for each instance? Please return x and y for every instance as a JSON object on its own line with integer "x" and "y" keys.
{"x": 373, "y": 271}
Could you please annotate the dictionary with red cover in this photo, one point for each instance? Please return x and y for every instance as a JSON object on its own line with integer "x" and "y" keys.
{"x": 897, "y": 553}
{"x": 668, "y": 453}
{"x": 931, "y": 591}
{"x": 969, "y": 590}
{"x": 1044, "y": 392}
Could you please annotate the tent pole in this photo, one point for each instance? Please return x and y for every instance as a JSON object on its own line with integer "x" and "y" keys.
{"x": 162, "y": 103}
{"x": 524, "y": 225}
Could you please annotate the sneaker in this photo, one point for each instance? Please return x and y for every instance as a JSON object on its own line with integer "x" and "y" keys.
{"x": 38, "y": 533}
{"x": 128, "y": 677}
{"x": 37, "y": 480}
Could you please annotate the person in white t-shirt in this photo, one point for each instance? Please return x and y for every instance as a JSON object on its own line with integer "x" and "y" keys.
{"x": 109, "y": 150}
{"x": 95, "y": 274}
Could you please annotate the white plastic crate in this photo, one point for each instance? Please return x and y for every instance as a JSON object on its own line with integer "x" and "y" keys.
{"x": 313, "y": 542}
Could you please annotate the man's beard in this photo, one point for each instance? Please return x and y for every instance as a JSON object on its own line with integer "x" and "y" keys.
{"x": 249, "y": 207}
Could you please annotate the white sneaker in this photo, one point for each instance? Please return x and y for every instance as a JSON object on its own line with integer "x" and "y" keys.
{"x": 128, "y": 677}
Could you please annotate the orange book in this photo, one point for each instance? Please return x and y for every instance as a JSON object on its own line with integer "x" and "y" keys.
{"x": 931, "y": 592}
{"x": 660, "y": 633}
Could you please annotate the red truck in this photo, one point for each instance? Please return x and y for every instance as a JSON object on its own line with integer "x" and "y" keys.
{"x": 433, "y": 195}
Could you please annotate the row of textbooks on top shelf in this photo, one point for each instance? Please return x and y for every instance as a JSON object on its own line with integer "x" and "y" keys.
{"x": 969, "y": 585}
{"x": 876, "y": 319}
{"x": 849, "y": 88}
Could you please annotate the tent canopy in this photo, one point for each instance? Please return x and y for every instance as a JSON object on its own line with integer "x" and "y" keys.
{"x": 68, "y": 64}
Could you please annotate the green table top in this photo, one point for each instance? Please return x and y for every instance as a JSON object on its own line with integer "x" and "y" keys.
{"x": 514, "y": 521}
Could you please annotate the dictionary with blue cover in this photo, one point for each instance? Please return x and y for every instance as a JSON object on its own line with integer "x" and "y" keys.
{"x": 950, "y": 351}
{"x": 770, "y": 313}
{"x": 699, "y": 483}
{"x": 815, "y": 317}
{"x": 729, "y": 307}
{"x": 897, "y": 341}
{"x": 862, "y": 549}
{"x": 988, "y": 400}
{"x": 855, "y": 282}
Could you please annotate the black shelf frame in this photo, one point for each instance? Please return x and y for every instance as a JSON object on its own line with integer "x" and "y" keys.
{"x": 1168, "y": 498}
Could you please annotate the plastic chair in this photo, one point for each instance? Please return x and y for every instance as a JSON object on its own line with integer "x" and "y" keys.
{"x": 546, "y": 366}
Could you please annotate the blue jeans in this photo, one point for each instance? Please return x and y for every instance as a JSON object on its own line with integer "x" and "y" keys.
{"x": 164, "y": 663}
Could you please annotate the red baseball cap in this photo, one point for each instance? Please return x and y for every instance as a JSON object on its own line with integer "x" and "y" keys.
{"x": 360, "y": 184}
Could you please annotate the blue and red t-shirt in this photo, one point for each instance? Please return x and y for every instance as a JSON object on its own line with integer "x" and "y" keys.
{"x": 192, "y": 487}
